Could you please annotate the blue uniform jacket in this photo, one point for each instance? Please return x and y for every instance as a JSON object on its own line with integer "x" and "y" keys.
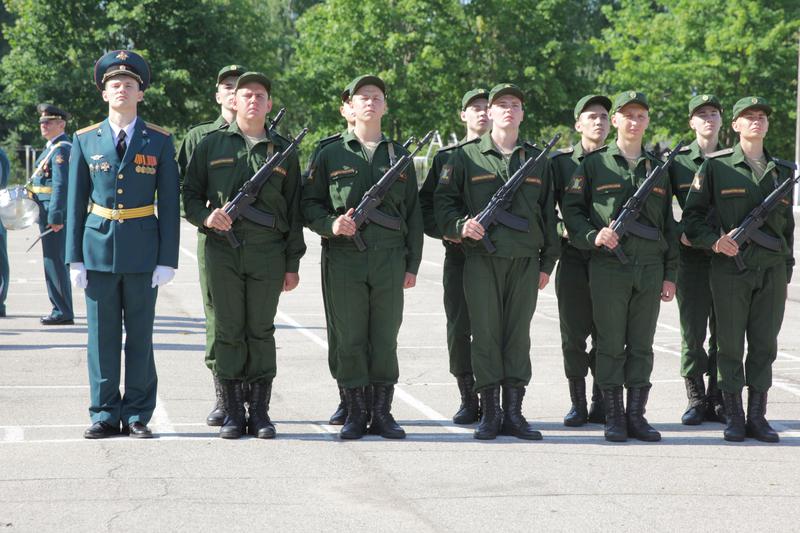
{"x": 54, "y": 174}
{"x": 96, "y": 175}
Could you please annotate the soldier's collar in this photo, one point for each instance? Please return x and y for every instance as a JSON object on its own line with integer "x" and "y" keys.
{"x": 738, "y": 155}
{"x": 577, "y": 150}
{"x": 487, "y": 144}
{"x": 220, "y": 123}
{"x": 613, "y": 149}
{"x": 351, "y": 136}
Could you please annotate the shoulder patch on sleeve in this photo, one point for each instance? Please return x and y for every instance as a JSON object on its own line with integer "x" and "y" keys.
{"x": 561, "y": 151}
{"x": 576, "y": 185}
{"x": 87, "y": 129}
{"x": 719, "y": 153}
{"x": 447, "y": 171}
{"x": 784, "y": 163}
{"x": 684, "y": 148}
{"x": 697, "y": 182}
{"x": 448, "y": 148}
{"x": 329, "y": 139}
{"x": 204, "y": 123}
{"x": 157, "y": 128}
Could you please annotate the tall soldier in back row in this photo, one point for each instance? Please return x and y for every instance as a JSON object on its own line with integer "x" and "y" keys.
{"x": 474, "y": 114}
{"x": 246, "y": 281}
{"x": 572, "y": 273}
{"x": 749, "y": 303}
{"x": 625, "y": 297}
{"x": 49, "y": 184}
{"x": 226, "y": 91}
{"x": 501, "y": 288}
{"x": 694, "y": 289}
{"x": 365, "y": 288}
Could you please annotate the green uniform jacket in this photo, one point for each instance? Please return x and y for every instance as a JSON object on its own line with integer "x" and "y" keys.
{"x": 146, "y": 172}
{"x": 320, "y": 145}
{"x": 681, "y": 174}
{"x": 339, "y": 177}
{"x": 601, "y": 185}
{"x": 429, "y": 187}
{"x": 475, "y": 171}
{"x": 221, "y": 164}
{"x": 54, "y": 173}
{"x": 726, "y": 182}
{"x": 564, "y": 163}
{"x": 193, "y": 138}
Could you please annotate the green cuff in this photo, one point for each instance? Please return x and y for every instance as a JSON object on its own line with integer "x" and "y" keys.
{"x": 670, "y": 274}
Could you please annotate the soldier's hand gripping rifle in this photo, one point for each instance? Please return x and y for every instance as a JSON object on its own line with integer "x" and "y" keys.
{"x": 627, "y": 220}
{"x": 367, "y": 209}
{"x": 750, "y": 228}
{"x": 242, "y": 204}
{"x": 496, "y": 211}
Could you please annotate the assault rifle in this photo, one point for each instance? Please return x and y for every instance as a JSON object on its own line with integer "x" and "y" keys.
{"x": 750, "y": 228}
{"x": 496, "y": 211}
{"x": 242, "y": 204}
{"x": 627, "y": 219}
{"x": 367, "y": 209}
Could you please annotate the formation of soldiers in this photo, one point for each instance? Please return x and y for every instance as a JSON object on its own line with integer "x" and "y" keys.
{"x": 120, "y": 247}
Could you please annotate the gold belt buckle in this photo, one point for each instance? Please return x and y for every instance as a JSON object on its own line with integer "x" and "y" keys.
{"x": 115, "y": 214}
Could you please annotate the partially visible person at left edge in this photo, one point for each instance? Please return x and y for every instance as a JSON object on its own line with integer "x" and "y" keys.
{"x": 117, "y": 249}
{"x": 5, "y": 171}
{"x": 49, "y": 185}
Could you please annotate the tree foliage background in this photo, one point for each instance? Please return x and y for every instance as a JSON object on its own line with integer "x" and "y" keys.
{"x": 428, "y": 51}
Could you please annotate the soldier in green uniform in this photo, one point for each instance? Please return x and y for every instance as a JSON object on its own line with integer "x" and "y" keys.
{"x": 500, "y": 288}
{"x": 118, "y": 250}
{"x": 474, "y": 114}
{"x": 346, "y": 111}
{"x": 49, "y": 185}
{"x": 246, "y": 282}
{"x": 572, "y": 273}
{"x": 364, "y": 290}
{"x": 226, "y": 89}
{"x": 749, "y": 303}
{"x": 625, "y": 297}
{"x": 694, "y": 290}
{"x": 5, "y": 174}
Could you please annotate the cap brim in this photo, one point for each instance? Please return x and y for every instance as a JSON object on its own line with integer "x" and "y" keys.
{"x": 599, "y": 99}
{"x": 368, "y": 80}
{"x": 244, "y": 79}
{"x": 485, "y": 96}
{"x": 632, "y": 102}
{"x": 763, "y": 107}
{"x": 509, "y": 90}
{"x": 121, "y": 72}
{"x": 715, "y": 105}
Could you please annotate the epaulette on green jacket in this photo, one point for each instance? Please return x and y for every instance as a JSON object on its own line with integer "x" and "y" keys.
{"x": 561, "y": 151}
{"x": 785, "y": 163}
{"x": 719, "y": 153}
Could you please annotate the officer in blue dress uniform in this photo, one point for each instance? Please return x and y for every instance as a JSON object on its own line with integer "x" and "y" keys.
{"x": 49, "y": 186}
{"x": 120, "y": 248}
{"x": 5, "y": 171}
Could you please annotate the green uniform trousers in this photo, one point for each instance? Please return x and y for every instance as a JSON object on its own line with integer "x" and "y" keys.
{"x": 748, "y": 303}
{"x": 114, "y": 301}
{"x": 208, "y": 306}
{"x": 365, "y": 300}
{"x": 455, "y": 308}
{"x": 575, "y": 312}
{"x": 56, "y": 272}
{"x": 696, "y": 313}
{"x": 245, "y": 283}
{"x": 324, "y": 276}
{"x": 4, "y": 270}
{"x": 501, "y": 296}
{"x": 626, "y": 300}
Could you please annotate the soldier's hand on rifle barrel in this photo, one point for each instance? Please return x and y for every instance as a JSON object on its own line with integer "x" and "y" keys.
{"x": 726, "y": 245}
{"x": 606, "y": 237}
{"x": 344, "y": 224}
{"x": 472, "y": 230}
{"x": 218, "y": 220}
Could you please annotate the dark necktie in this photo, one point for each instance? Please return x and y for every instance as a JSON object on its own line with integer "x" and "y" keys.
{"x": 121, "y": 145}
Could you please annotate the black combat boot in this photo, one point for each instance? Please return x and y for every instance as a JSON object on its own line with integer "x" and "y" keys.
{"x": 696, "y": 410}
{"x": 597, "y": 413}
{"x": 491, "y": 414}
{"x": 369, "y": 400}
{"x": 259, "y": 423}
{"x": 578, "y": 414}
{"x": 340, "y": 415}
{"x": 514, "y": 422}
{"x": 616, "y": 427}
{"x": 469, "y": 410}
{"x": 356, "y": 423}
{"x": 757, "y": 426}
{"x": 734, "y": 416}
{"x": 217, "y": 415}
{"x": 383, "y": 423}
{"x": 232, "y": 394}
{"x": 715, "y": 409}
{"x": 638, "y": 428}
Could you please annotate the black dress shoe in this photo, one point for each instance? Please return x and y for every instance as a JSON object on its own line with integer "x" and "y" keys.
{"x": 100, "y": 430}
{"x": 138, "y": 430}
{"x": 55, "y": 321}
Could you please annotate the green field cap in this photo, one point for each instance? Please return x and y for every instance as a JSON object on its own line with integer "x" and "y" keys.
{"x": 630, "y": 97}
{"x": 590, "y": 99}
{"x": 474, "y": 94}
{"x": 751, "y": 102}
{"x": 366, "y": 79}
{"x": 230, "y": 70}
{"x": 254, "y": 77}
{"x": 700, "y": 100}
{"x": 503, "y": 89}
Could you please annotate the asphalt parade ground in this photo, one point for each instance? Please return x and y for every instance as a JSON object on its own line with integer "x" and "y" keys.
{"x": 438, "y": 479}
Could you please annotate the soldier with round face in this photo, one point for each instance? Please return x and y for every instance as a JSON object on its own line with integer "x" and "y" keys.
{"x": 694, "y": 291}
{"x": 118, "y": 250}
{"x": 749, "y": 303}
{"x": 474, "y": 114}
{"x": 49, "y": 185}
{"x": 572, "y": 274}
{"x": 626, "y": 298}
{"x": 500, "y": 288}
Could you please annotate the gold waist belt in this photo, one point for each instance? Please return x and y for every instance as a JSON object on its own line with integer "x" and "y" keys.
{"x": 123, "y": 214}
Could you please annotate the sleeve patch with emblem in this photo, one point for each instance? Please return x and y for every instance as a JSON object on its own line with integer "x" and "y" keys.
{"x": 447, "y": 171}
{"x": 576, "y": 185}
{"x": 59, "y": 159}
{"x": 697, "y": 182}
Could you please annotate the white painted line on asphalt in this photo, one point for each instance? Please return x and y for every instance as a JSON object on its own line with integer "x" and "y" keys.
{"x": 187, "y": 252}
{"x": 433, "y": 263}
{"x": 13, "y": 434}
{"x": 160, "y": 420}
{"x": 44, "y": 386}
